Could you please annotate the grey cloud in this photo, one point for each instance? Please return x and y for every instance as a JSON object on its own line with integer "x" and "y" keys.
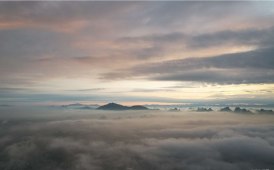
{"x": 31, "y": 43}
{"x": 151, "y": 140}
{"x": 225, "y": 76}
{"x": 245, "y": 67}
{"x": 181, "y": 11}
{"x": 196, "y": 16}
{"x": 88, "y": 90}
{"x": 258, "y": 37}
{"x": 36, "y": 96}
{"x": 238, "y": 152}
{"x": 115, "y": 19}
{"x": 257, "y": 59}
{"x": 162, "y": 44}
{"x": 155, "y": 38}
{"x": 54, "y": 13}
{"x": 41, "y": 41}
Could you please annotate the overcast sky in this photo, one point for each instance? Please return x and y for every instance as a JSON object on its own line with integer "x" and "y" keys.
{"x": 136, "y": 52}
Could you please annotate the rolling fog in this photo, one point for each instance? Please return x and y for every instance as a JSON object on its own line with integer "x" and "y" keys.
{"x": 60, "y": 139}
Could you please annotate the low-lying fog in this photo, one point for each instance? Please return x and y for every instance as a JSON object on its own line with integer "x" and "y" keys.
{"x": 60, "y": 139}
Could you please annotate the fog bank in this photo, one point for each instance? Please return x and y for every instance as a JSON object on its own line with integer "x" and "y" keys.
{"x": 56, "y": 139}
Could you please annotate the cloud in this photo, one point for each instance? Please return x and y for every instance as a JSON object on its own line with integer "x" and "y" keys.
{"x": 165, "y": 45}
{"x": 252, "y": 36}
{"x": 256, "y": 36}
{"x": 59, "y": 16}
{"x": 151, "y": 140}
{"x": 32, "y": 43}
{"x": 151, "y": 90}
{"x": 88, "y": 90}
{"x": 193, "y": 17}
{"x": 222, "y": 76}
{"x": 245, "y": 67}
{"x": 45, "y": 45}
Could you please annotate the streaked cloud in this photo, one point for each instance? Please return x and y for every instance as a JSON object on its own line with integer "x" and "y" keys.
{"x": 245, "y": 67}
{"x": 47, "y": 46}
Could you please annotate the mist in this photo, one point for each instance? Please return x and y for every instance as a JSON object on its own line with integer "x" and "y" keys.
{"x": 63, "y": 139}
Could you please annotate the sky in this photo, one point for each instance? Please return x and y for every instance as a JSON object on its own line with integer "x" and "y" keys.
{"x": 136, "y": 52}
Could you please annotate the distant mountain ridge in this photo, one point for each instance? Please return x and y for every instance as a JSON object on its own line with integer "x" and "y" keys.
{"x": 115, "y": 106}
{"x": 79, "y": 105}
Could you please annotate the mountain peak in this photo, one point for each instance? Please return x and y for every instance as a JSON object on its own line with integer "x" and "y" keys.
{"x": 115, "y": 106}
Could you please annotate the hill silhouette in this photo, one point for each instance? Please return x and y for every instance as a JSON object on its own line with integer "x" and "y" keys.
{"x": 138, "y": 107}
{"x": 115, "y": 106}
{"x": 265, "y": 111}
{"x": 239, "y": 110}
{"x": 80, "y": 106}
{"x": 226, "y": 109}
{"x": 202, "y": 109}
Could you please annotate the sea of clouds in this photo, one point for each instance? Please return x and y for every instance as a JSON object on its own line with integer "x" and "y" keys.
{"x": 60, "y": 139}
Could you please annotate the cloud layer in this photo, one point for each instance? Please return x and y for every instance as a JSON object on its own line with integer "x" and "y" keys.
{"x": 48, "y": 46}
{"x": 151, "y": 140}
{"x": 244, "y": 67}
